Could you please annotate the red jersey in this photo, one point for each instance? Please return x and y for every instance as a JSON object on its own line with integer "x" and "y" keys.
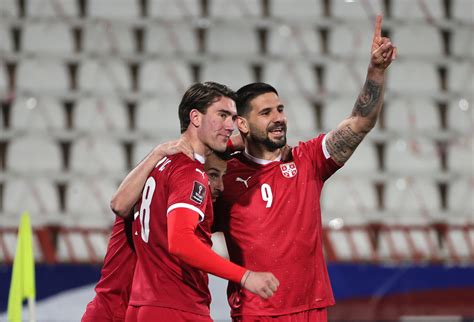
{"x": 114, "y": 286}
{"x": 271, "y": 217}
{"x": 162, "y": 279}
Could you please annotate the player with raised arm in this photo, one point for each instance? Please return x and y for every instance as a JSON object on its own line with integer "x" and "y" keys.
{"x": 172, "y": 236}
{"x": 270, "y": 211}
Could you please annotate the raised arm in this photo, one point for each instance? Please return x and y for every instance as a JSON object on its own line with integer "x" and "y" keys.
{"x": 343, "y": 141}
{"x": 131, "y": 187}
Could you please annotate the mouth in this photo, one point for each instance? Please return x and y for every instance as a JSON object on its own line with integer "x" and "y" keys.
{"x": 278, "y": 130}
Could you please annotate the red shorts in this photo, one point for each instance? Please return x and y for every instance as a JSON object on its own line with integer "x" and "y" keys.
{"x": 316, "y": 315}
{"x": 162, "y": 314}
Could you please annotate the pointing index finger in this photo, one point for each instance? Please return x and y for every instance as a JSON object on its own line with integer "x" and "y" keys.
{"x": 378, "y": 27}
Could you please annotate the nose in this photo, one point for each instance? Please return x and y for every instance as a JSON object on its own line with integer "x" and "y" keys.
{"x": 229, "y": 124}
{"x": 280, "y": 117}
{"x": 220, "y": 185}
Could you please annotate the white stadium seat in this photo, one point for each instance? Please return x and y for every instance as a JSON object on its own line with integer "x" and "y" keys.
{"x": 90, "y": 198}
{"x": 113, "y": 9}
{"x": 47, "y": 37}
{"x": 100, "y": 114}
{"x": 408, "y": 114}
{"x": 356, "y": 9}
{"x": 305, "y": 9}
{"x": 174, "y": 9}
{"x": 412, "y": 157}
{"x": 289, "y": 41}
{"x": 39, "y": 76}
{"x": 460, "y": 201}
{"x": 97, "y": 156}
{"x": 461, "y": 78}
{"x": 234, "y": 9}
{"x": 301, "y": 119}
{"x": 290, "y": 78}
{"x": 165, "y": 77}
{"x": 34, "y": 154}
{"x": 32, "y": 113}
{"x": 51, "y": 8}
{"x": 463, "y": 41}
{"x": 351, "y": 40}
{"x": 463, "y": 10}
{"x": 232, "y": 74}
{"x": 5, "y": 40}
{"x": 407, "y": 39}
{"x": 418, "y": 9}
{"x": 461, "y": 116}
{"x": 8, "y": 8}
{"x": 412, "y": 77}
{"x": 223, "y": 40}
{"x": 461, "y": 155}
{"x": 104, "y": 76}
{"x": 171, "y": 39}
{"x": 159, "y": 116}
{"x": 104, "y": 38}
{"x": 345, "y": 77}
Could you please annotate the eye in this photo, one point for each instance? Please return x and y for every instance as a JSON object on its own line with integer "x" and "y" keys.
{"x": 213, "y": 176}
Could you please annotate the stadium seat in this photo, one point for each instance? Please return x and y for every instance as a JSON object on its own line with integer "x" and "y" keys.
{"x": 10, "y": 241}
{"x": 290, "y": 78}
{"x": 89, "y": 198}
{"x": 45, "y": 38}
{"x": 306, "y": 9}
{"x": 42, "y": 150}
{"x": 411, "y": 114}
{"x": 358, "y": 203}
{"x": 463, "y": 41}
{"x": 229, "y": 41}
{"x": 351, "y": 41}
{"x": 159, "y": 116}
{"x": 32, "y": 113}
{"x": 51, "y": 8}
{"x": 461, "y": 155}
{"x": 301, "y": 119}
{"x": 104, "y": 38}
{"x": 3, "y": 79}
{"x": 230, "y": 73}
{"x": 174, "y": 9}
{"x": 461, "y": 116}
{"x": 345, "y": 78}
{"x": 100, "y": 114}
{"x": 458, "y": 244}
{"x": 461, "y": 203}
{"x": 352, "y": 244}
{"x": 81, "y": 245}
{"x": 8, "y": 8}
{"x": 418, "y": 10}
{"x": 407, "y": 39}
{"x": 165, "y": 77}
{"x": 38, "y": 196}
{"x": 461, "y": 78}
{"x": 412, "y": 200}
{"x": 224, "y": 9}
{"x": 97, "y": 156}
{"x": 415, "y": 156}
{"x": 290, "y": 41}
{"x": 356, "y": 9}
{"x": 413, "y": 77}
{"x": 171, "y": 39}
{"x": 463, "y": 11}
{"x": 109, "y": 76}
{"x": 113, "y": 9}
{"x": 40, "y": 76}
{"x": 5, "y": 41}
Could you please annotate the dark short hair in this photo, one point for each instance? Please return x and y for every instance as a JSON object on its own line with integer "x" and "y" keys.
{"x": 248, "y": 92}
{"x": 200, "y": 96}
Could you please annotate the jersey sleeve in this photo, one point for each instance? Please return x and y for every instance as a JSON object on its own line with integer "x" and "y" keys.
{"x": 323, "y": 164}
{"x": 188, "y": 188}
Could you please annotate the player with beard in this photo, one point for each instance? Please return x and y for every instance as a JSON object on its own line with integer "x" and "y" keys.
{"x": 270, "y": 211}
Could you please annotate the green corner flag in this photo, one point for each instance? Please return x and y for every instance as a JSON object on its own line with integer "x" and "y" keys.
{"x": 22, "y": 285}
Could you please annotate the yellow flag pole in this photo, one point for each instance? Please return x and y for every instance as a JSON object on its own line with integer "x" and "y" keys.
{"x": 22, "y": 284}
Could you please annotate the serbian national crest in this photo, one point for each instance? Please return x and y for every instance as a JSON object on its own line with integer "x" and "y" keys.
{"x": 288, "y": 169}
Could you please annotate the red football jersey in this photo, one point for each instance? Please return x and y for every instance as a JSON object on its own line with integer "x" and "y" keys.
{"x": 114, "y": 286}
{"x": 162, "y": 279}
{"x": 271, "y": 216}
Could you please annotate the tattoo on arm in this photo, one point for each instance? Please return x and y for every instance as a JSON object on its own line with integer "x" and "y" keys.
{"x": 368, "y": 99}
{"x": 342, "y": 142}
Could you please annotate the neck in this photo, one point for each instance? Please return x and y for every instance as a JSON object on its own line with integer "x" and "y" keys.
{"x": 260, "y": 151}
{"x": 198, "y": 146}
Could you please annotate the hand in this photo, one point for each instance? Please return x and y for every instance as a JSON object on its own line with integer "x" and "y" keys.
{"x": 176, "y": 146}
{"x": 383, "y": 51}
{"x": 260, "y": 283}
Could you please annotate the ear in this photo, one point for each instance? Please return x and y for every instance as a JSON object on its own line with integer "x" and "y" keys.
{"x": 242, "y": 125}
{"x": 195, "y": 117}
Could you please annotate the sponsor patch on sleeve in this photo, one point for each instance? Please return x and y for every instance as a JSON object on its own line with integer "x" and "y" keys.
{"x": 199, "y": 192}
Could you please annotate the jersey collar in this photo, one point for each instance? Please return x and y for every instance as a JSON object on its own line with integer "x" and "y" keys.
{"x": 260, "y": 161}
{"x": 199, "y": 158}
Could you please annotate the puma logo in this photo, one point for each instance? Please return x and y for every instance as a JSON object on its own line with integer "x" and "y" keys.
{"x": 201, "y": 172}
{"x": 245, "y": 182}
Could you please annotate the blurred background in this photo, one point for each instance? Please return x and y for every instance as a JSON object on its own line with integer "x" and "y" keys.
{"x": 89, "y": 87}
